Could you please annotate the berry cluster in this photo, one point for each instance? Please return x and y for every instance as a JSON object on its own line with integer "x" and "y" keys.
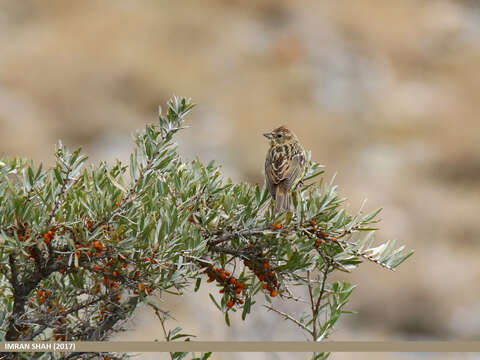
{"x": 231, "y": 286}
{"x": 321, "y": 235}
{"x": 45, "y": 299}
{"x": 42, "y": 295}
{"x": 112, "y": 270}
{"x": 23, "y": 232}
{"x": 141, "y": 288}
{"x": 49, "y": 235}
{"x": 262, "y": 269}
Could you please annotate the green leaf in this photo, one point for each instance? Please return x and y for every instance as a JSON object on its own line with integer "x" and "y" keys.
{"x": 197, "y": 284}
{"x": 370, "y": 216}
{"x": 58, "y": 176}
{"x": 246, "y": 307}
{"x": 206, "y": 355}
{"x": 215, "y": 302}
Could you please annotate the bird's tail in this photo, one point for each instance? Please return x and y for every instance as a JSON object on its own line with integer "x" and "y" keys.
{"x": 283, "y": 200}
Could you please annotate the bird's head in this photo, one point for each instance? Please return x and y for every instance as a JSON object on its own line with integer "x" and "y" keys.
{"x": 280, "y": 135}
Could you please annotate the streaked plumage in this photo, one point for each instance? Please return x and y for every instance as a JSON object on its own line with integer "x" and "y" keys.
{"x": 284, "y": 166}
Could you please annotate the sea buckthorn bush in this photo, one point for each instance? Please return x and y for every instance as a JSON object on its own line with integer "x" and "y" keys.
{"x": 82, "y": 246}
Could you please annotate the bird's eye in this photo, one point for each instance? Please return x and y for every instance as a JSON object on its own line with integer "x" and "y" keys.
{"x": 279, "y": 136}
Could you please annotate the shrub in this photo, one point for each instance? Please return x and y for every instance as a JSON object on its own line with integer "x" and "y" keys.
{"x": 83, "y": 246}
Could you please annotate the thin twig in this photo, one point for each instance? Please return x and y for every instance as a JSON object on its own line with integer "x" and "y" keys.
{"x": 162, "y": 322}
{"x": 289, "y": 317}
{"x": 319, "y": 299}
{"x": 234, "y": 234}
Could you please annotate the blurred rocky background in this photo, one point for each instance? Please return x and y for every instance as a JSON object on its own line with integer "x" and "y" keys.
{"x": 385, "y": 93}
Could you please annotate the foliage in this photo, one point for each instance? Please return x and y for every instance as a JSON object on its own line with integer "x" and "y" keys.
{"x": 81, "y": 247}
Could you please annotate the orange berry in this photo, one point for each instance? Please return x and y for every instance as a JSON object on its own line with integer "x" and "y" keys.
{"x": 147, "y": 259}
{"x": 77, "y": 252}
{"x": 41, "y": 299}
{"x": 269, "y": 273}
{"x": 334, "y": 238}
{"x": 89, "y": 223}
{"x": 117, "y": 203}
{"x": 96, "y": 267}
{"x": 221, "y": 291}
{"x": 264, "y": 286}
{"x": 115, "y": 273}
{"x": 229, "y": 303}
{"x": 147, "y": 290}
{"x": 238, "y": 290}
{"x": 239, "y": 285}
{"x": 312, "y": 222}
{"x": 39, "y": 292}
{"x": 261, "y": 277}
{"x": 125, "y": 265}
{"x": 277, "y": 226}
{"x": 118, "y": 297}
{"x": 141, "y": 286}
{"x": 98, "y": 245}
{"x": 61, "y": 271}
{"x": 48, "y": 292}
{"x": 240, "y": 301}
{"x": 223, "y": 276}
{"x": 232, "y": 280}
{"x": 265, "y": 265}
{"x": 46, "y": 238}
{"x": 273, "y": 293}
{"x": 318, "y": 242}
{"x": 135, "y": 291}
{"x": 78, "y": 246}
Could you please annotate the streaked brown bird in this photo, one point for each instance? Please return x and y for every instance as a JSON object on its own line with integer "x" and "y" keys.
{"x": 284, "y": 166}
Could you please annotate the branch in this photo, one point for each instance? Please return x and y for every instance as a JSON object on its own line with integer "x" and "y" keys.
{"x": 319, "y": 299}
{"x": 234, "y": 234}
{"x": 291, "y": 318}
{"x": 73, "y": 309}
{"x": 59, "y": 196}
{"x": 18, "y": 301}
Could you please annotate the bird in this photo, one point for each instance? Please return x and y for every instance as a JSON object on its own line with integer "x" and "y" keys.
{"x": 284, "y": 166}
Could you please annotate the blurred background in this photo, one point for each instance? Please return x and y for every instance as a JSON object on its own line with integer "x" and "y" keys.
{"x": 384, "y": 93}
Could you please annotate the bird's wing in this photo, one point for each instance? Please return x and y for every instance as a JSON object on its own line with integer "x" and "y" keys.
{"x": 284, "y": 168}
{"x": 270, "y": 180}
{"x": 293, "y": 171}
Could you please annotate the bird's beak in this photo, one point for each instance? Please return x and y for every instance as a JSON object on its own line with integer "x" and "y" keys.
{"x": 268, "y": 135}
